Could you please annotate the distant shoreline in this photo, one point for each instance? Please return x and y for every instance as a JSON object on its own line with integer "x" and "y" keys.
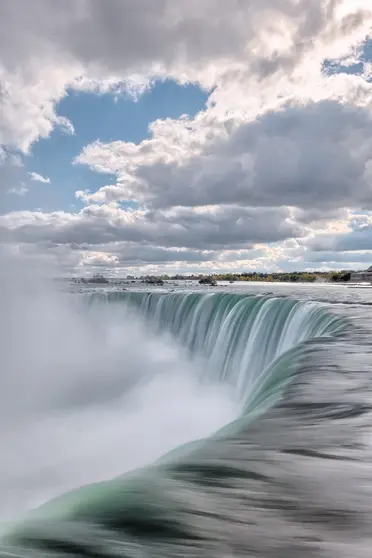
{"x": 212, "y": 279}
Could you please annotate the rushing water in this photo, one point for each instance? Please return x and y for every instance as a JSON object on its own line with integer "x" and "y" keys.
{"x": 241, "y": 422}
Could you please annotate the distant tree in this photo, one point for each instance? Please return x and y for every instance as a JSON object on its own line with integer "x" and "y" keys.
{"x": 98, "y": 279}
{"x": 208, "y": 281}
{"x": 152, "y": 280}
{"x": 340, "y": 276}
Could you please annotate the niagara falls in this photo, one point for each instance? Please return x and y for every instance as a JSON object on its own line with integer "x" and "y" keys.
{"x": 159, "y": 420}
{"x": 185, "y": 278}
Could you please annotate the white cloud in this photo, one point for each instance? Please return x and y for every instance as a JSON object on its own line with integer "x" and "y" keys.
{"x": 20, "y": 191}
{"x": 27, "y": 102}
{"x": 317, "y": 156}
{"x": 47, "y": 48}
{"x": 38, "y": 178}
{"x": 213, "y": 228}
{"x": 204, "y": 239}
{"x": 281, "y": 153}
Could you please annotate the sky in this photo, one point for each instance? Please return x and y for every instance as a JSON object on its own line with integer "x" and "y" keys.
{"x": 173, "y": 136}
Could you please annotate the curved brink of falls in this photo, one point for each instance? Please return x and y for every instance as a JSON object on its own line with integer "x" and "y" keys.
{"x": 284, "y": 479}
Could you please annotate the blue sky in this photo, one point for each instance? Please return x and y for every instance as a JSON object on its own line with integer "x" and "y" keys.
{"x": 334, "y": 67}
{"x": 105, "y": 117}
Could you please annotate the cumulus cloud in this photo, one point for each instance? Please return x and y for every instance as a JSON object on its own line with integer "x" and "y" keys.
{"x": 207, "y": 228}
{"x": 313, "y": 157}
{"x": 46, "y": 47}
{"x": 281, "y": 153}
{"x": 39, "y": 178}
{"x": 28, "y": 97}
{"x": 210, "y": 237}
{"x": 354, "y": 241}
{"x": 345, "y": 243}
{"x": 136, "y": 34}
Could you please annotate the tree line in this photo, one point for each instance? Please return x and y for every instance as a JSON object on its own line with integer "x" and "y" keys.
{"x": 279, "y": 277}
{"x": 291, "y": 277}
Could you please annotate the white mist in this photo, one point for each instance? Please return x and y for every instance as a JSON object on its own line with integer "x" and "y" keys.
{"x": 86, "y": 395}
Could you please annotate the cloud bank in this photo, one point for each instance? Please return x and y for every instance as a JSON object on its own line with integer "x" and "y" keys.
{"x": 274, "y": 173}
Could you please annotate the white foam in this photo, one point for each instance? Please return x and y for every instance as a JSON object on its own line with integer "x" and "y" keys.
{"x": 86, "y": 396}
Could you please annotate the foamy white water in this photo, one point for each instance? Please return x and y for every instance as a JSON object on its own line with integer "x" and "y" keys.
{"x": 86, "y": 396}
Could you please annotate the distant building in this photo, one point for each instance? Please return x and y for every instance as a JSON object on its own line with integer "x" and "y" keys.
{"x": 361, "y": 276}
